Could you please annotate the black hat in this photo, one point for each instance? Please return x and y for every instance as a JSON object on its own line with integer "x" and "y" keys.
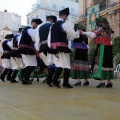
{"x": 64, "y": 11}
{"x": 54, "y": 18}
{"x": 20, "y": 29}
{"x": 11, "y": 35}
{"x": 7, "y": 36}
{"x": 37, "y": 21}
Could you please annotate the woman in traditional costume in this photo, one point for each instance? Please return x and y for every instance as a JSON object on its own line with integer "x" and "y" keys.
{"x": 102, "y": 66}
{"x": 81, "y": 65}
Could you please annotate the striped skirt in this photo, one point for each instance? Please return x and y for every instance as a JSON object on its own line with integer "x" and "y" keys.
{"x": 81, "y": 65}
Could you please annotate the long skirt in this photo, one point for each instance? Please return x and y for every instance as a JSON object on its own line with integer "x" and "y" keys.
{"x": 103, "y": 63}
{"x": 81, "y": 65}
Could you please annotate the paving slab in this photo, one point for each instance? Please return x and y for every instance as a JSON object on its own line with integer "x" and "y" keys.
{"x": 39, "y": 102}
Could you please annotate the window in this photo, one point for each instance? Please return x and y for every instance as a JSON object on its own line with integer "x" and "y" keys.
{"x": 72, "y": 10}
{"x": 62, "y": 7}
{"x": 54, "y": 6}
{"x": 102, "y": 3}
{"x": 33, "y": 17}
{"x": 48, "y": 13}
{"x": 28, "y": 21}
{"x": 37, "y": 15}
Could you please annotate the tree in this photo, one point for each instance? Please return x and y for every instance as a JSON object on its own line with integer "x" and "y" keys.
{"x": 116, "y": 50}
{"x": 91, "y": 55}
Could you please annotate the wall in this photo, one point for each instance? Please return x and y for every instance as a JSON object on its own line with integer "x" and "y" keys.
{"x": 46, "y": 8}
{"x": 12, "y": 20}
{"x": 3, "y": 33}
{"x": 113, "y": 19}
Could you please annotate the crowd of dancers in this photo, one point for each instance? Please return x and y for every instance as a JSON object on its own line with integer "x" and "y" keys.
{"x": 50, "y": 42}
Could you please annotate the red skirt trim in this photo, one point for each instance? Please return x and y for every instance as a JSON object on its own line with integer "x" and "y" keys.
{"x": 103, "y": 40}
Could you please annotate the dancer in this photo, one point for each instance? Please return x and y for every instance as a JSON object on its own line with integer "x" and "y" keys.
{"x": 42, "y": 45}
{"x": 26, "y": 48}
{"x": 59, "y": 51}
{"x": 81, "y": 65}
{"x": 103, "y": 60}
{"x": 6, "y": 62}
{"x": 16, "y": 58}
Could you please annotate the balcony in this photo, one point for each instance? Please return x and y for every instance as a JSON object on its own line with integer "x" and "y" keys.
{"x": 53, "y": 8}
{"x": 102, "y": 3}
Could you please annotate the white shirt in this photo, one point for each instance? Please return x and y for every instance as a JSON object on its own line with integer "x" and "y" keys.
{"x": 32, "y": 33}
{"x": 37, "y": 43}
{"x": 71, "y": 34}
{"x": 10, "y": 43}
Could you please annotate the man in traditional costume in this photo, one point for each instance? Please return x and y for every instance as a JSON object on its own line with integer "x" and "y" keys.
{"x": 26, "y": 48}
{"x": 16, "y": 58}
{"x": 6, "y": 62}
{"x": 42, "y": 45}
{"x": 59, "y": 51}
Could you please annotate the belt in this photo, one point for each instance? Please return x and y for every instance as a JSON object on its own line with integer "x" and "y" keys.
{"x": 5, "y": 51}
{"x": 14, "y": 48}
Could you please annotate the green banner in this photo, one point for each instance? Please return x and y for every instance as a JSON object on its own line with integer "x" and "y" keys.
{"x": 93, "y": 13}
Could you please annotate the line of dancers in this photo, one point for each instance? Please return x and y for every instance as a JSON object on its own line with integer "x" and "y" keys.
{"x": 50, "y": 40}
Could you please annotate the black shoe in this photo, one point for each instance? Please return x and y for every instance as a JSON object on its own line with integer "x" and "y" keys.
{"x": 32, "y": 80}
{"x": 45, "y": 81}
{"x": 77, "y": 84}
{"x": 109, "y": 85}
{"x": 2, "y": 79}
{"x": 13, "y": 81}
{"x": 101, "y": 85}
{"x": 8, "y": 79}
{"x": 49, "y": 84}
{"x": 37, "y": 79}
{"x": 86, "y": 83}
{"x": 56, "y": 84}
{"x": 67, "y": 85}
{"x": 26, "y": 82}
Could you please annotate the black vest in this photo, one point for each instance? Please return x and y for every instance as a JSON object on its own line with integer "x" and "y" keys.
{"x": 6, "y": 48}
{"x": 59, "y": 41}
{"x": 15, "y": 53}
{"x": 15, "y": 41}
{"x": 43, "y": 33}
{"x": 26, "y": 45}
{"x": 82, "y": 38}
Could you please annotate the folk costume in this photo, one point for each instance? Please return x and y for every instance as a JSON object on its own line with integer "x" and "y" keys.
{"x": 102, "y": 65}
{"x": 42, "y": 45}
{"x": 26, "y": 48}
{"x": 16, "y": 58}
{"x": 81, "y": 65}
{"x": 6, "y": 62}
{"x": 59, "y": 51}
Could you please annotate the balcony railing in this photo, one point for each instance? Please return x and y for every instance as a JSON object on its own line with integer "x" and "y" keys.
{"x": 102, "y": 3}
{"x": 49, "y": 7}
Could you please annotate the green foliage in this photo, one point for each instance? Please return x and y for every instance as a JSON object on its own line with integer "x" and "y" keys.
{"x": 91, "y": 55}
{"x": 116, "y": 50}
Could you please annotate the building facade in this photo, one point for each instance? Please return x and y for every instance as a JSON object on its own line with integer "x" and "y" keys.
{"x": 109, "y": 9}
{"x": 42, "y": 8}
{"x": 9, "y": 23}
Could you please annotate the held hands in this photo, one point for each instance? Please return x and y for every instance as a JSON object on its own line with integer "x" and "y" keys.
{"x": 80, "y": 32}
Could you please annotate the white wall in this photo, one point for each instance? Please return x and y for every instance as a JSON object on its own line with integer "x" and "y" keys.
{"x": 11, "y": 20}
{"x": 46, "y": 8}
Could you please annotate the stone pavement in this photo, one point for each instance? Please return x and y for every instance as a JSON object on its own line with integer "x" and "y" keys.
{"x": 39, "y": 102}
